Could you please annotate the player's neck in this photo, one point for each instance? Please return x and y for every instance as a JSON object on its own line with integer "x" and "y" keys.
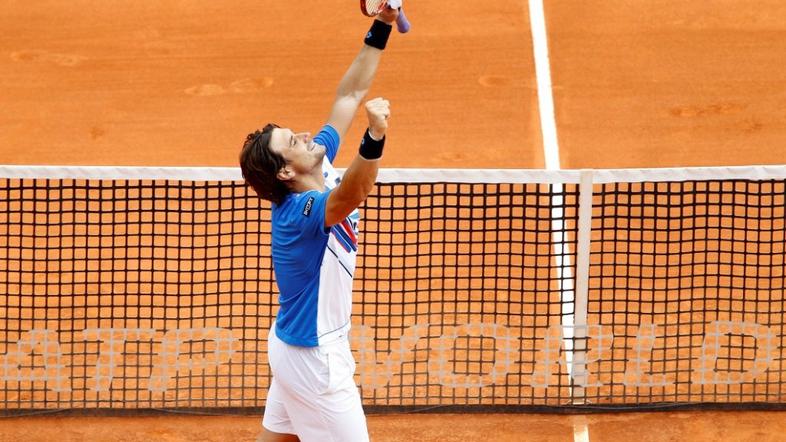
{"x": 311, "y": 181}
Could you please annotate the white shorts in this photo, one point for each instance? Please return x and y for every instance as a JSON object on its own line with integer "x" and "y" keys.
{"x": 313, "y": 394}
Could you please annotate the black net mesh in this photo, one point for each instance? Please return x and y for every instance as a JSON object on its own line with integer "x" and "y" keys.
{"x": 151, "y": 294}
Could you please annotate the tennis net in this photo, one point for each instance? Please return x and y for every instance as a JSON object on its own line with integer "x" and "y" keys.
{"x": 132, "y": 289}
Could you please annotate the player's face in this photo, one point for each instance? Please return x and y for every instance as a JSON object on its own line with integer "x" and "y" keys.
{"x": 299, "y": 150}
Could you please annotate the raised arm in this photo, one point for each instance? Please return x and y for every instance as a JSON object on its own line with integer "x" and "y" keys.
{"x": 357, "y": 80}
{"x": 359, "y": 178}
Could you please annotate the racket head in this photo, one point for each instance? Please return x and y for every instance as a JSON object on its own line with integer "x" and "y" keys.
{"x": 371, "y": 8}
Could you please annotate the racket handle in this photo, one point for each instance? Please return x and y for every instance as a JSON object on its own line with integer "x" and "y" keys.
{"x": 402, "y": 24}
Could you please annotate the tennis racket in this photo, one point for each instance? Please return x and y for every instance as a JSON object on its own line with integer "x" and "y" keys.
{"x": 371, "y": 8}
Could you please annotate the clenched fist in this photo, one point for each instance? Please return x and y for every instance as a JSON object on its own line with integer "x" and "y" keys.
{"x": 378, "y": 111}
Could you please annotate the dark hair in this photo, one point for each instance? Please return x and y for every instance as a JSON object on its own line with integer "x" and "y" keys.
{"x": 260, "y": 165}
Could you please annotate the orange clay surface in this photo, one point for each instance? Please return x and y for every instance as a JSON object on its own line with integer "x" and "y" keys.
{"x": 649, "y": 427}
{"x": 636, "y": 84}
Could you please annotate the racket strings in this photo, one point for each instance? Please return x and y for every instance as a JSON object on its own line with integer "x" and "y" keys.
{"x": 374, "y": 7}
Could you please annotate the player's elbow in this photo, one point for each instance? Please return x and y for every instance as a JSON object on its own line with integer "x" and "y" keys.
{"x": 350, "y": 95}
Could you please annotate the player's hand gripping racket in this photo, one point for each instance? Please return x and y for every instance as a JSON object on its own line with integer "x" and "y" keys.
{"x": 371, "y": 8}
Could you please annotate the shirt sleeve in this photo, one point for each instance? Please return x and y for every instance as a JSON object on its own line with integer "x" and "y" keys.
{"x": 328, "y": 137}
{"x": 311, "y": 212}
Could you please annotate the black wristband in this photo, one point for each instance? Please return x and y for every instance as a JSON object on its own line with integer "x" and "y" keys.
{"x": 377, "y": 36}
{"x": 370, "y": 148}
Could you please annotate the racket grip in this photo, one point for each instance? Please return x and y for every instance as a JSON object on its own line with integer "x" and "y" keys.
{"x": 402, "y": 24}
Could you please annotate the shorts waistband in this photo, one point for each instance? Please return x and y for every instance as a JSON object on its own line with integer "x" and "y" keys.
{"x": 340, "y": 334}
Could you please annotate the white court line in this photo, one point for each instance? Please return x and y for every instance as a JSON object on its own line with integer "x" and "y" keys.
{"x": 548, "y": 127}
{"x": 580, "y": 429}
{"x": 540, "y": 46}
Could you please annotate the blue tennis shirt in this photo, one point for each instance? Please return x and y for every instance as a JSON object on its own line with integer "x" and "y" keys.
{"x": 314, "y": 265}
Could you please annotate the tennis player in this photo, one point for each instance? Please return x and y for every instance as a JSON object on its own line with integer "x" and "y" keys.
{"x": 313, "y": 396}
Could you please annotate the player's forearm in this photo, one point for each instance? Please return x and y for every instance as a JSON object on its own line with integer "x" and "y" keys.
{"x": 359, "y": 178}
{"x": 357, "y": 183}
{"x": 357, "y": 80}
{"x": 361, "y": 175}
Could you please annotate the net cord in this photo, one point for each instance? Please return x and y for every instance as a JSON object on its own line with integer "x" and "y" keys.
{"x": 395, "y": 175}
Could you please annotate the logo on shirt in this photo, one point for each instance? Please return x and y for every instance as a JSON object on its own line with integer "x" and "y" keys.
{"x": 309, "y": 204}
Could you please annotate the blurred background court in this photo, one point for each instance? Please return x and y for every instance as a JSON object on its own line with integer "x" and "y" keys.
{"x": 636, "y": 84}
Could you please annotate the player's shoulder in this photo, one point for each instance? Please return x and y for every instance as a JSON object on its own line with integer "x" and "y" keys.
{"x": 330, "y": 138}
{"x": 329, "y": 131}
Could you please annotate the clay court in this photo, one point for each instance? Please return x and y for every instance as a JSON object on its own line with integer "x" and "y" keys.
{"x": 636, "y": 84}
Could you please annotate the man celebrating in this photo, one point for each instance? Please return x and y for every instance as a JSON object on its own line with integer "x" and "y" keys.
{"x": 313, "y": 396}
